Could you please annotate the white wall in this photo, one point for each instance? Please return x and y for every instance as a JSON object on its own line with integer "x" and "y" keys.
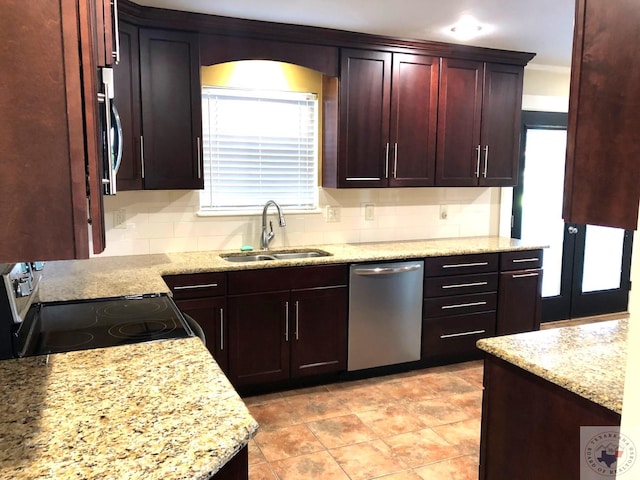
{"x": 166, "y": 221}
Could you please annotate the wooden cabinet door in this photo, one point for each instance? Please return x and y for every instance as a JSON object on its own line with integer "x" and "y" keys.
{"x": 519, "y": 301}
{"x": 319, "y": 331}
{"x": 171, "y": 109}
{"x": 210, "y": 313}
{"x": 414, "y": 108}
{"x": 459, "y": 117}
{"x": 365, "y": 87}
{"x": 500, "y": 133}
{"x": 259, "y": 335}
{"x": 603, "y": 138}
{"x": 127, "y": 101}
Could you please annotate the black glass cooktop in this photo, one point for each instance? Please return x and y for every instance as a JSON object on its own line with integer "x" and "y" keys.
{"x": 67, "y": 326}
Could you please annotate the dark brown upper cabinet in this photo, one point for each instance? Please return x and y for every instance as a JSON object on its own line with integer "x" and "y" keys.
{"x": 159, "y": 101}
{"x": 478, "y": 123}
{"x": 387, "y": 120}
{"x": 602, "y": 172}
{"x": 50, "y": 186}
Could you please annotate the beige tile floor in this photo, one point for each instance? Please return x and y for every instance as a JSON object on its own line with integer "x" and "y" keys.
{"x": 418, "y": 425}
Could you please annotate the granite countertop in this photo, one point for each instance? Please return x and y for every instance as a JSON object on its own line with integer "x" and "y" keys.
{"x": 155, "y": 410}
{"x": 139, "y": 274}
{"x": 584, "y": 359}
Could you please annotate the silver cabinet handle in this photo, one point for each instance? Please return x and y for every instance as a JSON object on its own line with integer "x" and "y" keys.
{"x": 386, "y": 271}
{"x": 573, "y": 230}
{"x": 386, "y": 162}
{"x": 116, "y": 32}
{"x": 199, "y": 158}
{"x": 460, "y": 265}
{"x": 462, "y": 334}
{"x": 286, "y": 321}
{"x": 525, "y": 260}
{"x": 142, "y": 156}
{"x": 221, "y": 329}
{"x": 486, "y": 161}
{"x": 297, "y": 319}
{"x": 190, "y": 287}
{"x": 523, "y": 275}
{"x": 362, "y": 179}
{"x": 462, "y": 305}
{"x": 395, "y": 160}
{"x": 478, "y": 161}
{"x": 462, "y": 285}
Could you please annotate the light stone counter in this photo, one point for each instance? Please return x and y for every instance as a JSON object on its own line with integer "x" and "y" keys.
{"x": 585, "y": 360}
{"x": 139, "y": 274}
{"x": 155, "y": 410}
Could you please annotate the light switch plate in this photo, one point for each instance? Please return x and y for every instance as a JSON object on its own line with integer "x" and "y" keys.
{"x": 369, "y": 212}
{"x": 120, "y": 219}
{"x": 332, "y": 214}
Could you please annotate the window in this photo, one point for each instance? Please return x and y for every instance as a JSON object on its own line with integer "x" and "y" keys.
{"x": 258, "y": 146}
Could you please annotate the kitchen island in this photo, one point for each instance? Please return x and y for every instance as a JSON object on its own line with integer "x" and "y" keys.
{"x": 540, "y": 388}
{"x": 154, "y": 410}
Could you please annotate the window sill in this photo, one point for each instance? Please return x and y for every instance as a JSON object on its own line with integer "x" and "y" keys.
{"x": 247, "y": 213}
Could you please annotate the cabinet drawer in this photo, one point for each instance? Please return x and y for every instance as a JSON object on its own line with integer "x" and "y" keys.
{"x": 461, "y": 264}
{"x": 460, "y": 304}
{"x": 456, "y": 335}
{"x": 460, "y": 284}
{"x": 196, "y": 285}
{"x": 521, "y": 260}
{"x": 286, "y": 278}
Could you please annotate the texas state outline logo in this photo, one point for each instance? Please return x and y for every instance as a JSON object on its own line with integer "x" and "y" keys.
{"x": 609, "y": 453}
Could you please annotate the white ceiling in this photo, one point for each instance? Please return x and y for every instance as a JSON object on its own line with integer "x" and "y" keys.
{"x": 544, "y": 27}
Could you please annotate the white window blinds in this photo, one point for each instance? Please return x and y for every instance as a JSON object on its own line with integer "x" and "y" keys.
{"x": 258, "y": 146}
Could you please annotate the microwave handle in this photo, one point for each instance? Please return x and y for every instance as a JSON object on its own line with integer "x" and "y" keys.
{"x": 108, "y": 183}
{"x": 118, "y": 139}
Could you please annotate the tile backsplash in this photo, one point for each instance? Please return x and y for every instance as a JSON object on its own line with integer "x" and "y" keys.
{"x": 167, "y": 221}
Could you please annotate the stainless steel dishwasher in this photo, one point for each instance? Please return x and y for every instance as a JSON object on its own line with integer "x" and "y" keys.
{"x": 385, "y": 313}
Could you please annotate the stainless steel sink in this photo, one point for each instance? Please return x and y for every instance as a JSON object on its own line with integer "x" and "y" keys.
{"x": 275, "y": 255}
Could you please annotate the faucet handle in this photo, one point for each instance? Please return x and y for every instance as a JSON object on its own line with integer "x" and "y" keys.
{"x": 270, "y": 235}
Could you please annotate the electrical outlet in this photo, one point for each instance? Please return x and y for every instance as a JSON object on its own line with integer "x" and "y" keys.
{"x": 444, "y": 213}
{"x": 332, "y": 214}
{"x": 369, "y": 212}
{"x": 120, "y": 219}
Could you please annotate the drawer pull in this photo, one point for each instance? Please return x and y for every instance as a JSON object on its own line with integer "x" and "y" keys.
{"x": 286, "y": 321}
{"x": 463, "y": 334}
{"x": 191, "y": 287}
{"x": 462, "y": 305}
{"x": 460, "y": 265}
{"x": 221, "y": 329}
{"x": 462, "y": 285}
{"x": 523, "y": 275}
{"x": 525, "y": 260}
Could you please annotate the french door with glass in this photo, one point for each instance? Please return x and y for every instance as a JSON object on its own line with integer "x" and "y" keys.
{"x": 586, "y": 267}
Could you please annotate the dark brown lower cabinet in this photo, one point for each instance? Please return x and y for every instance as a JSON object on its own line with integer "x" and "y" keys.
{"x": 210, "y": 315}
{"x": 531, "y": 427}
{"x": 236, "y": 469}
{"x": 519, "y": 292}
{"x": 277, "y": 336}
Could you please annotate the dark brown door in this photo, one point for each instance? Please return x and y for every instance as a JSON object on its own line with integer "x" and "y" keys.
{"x": 500, "y": 135}
{"x": 519, "y": 307}
{"x": 259, "y": 336}
{"x": 365, "y": 88}
{"x": 459, "y": 116}
{"x": 414, "y": 107}
{"x": 319, "y": 331}
{"x": 171, "y": 109}
{"x": 210, "y": 313}
{"x": 127, "y": 101}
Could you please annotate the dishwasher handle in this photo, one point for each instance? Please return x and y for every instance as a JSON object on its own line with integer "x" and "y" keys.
{"x": 386, "y": 270}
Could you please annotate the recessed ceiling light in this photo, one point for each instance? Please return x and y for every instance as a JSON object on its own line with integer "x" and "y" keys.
{"x": 466, "y": 28}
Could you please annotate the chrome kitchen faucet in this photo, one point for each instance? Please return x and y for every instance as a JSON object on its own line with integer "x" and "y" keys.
{"x": 266, "y": 237}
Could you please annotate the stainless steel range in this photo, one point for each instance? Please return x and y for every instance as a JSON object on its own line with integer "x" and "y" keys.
{"x": 32, "y": 328}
